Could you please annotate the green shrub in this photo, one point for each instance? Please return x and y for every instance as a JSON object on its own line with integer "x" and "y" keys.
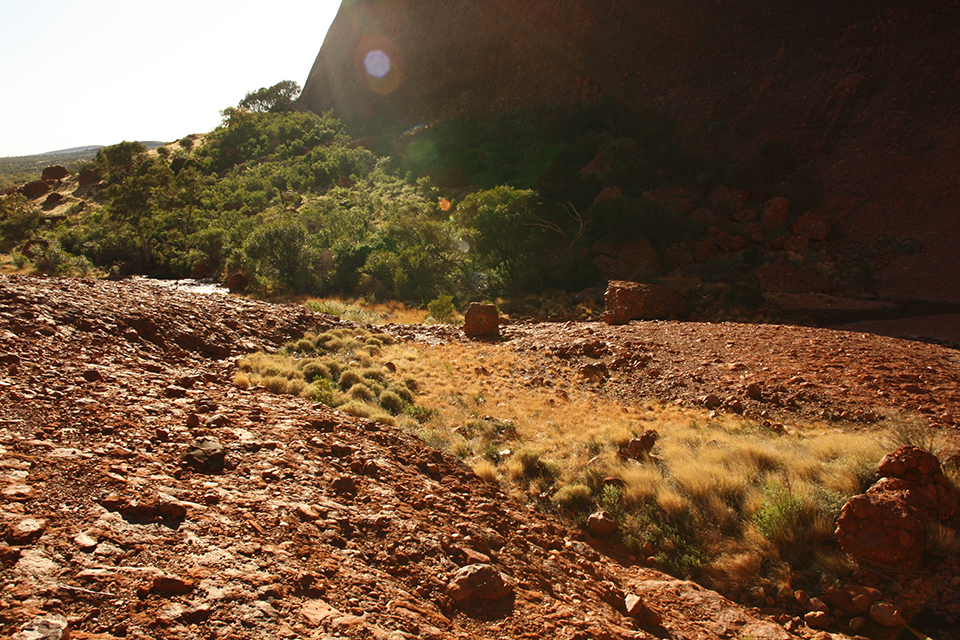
{"x": 320, "y": 390}
{"x": 18, "y": 217}
{"x": 421, "y": 414}
{"x": 441, "y": 309}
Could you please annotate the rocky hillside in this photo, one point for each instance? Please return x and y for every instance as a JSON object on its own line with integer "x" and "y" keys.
{"x": 864, "y": 91}
{"x": 144, "y": 495}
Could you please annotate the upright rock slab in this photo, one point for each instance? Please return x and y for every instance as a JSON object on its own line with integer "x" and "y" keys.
{"x": 626, "y": 301}
{"x": 481, "y": 321}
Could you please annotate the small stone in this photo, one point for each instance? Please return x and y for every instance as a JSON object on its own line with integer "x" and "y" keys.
{"x": 206, "y": 456}
{"x": 174, "y": 391}
{"x": 306, "y": 512}
{"x": 52, "y": 627}
{"x": 172, "y": 585}
{"x": 18, "y": 492}
{"x": 640, "y": 612}
{"x": 857, "y": 623}
{"x": 344, "y": 484}
{"x": 602, "y": 523}
{"x": 712, "y": 401}
{"x": 85, "y": 542}
{"x": 477, "y": 582}
{"x": 26, "y": 531}
{"x": 92, "y": 375}
{"x": 816, "y": 604}
{"x": 816, "y": 619}
{"x": 885, "y": 614}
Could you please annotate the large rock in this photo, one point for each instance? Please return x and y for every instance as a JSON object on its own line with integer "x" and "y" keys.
{"x": 775, "y": 214}
{"x": 481, "y": 321}
{"x": 807, "y": 68}
{"x": 35, "y": 189}
{"x": 885, "y": 526}
{"x": 812, "y": 226}
{"x": 54, "y": 173}
{"x": 626, "y": 301}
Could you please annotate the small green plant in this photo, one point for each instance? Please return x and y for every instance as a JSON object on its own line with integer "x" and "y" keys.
{"x": 420, "y": 414}
{"x": 780, "y": 512}
{"x": 320, "y": 390}
{"x": 441, "y": 309}
{"x": 611, "y": 501}
{"x": 18, "y": 259}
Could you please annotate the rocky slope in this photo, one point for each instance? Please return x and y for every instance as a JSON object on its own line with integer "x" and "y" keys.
{"x": 864, "y": 90}
{"x": 144, "y": 495}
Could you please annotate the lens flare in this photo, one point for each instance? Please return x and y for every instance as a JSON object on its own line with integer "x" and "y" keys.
{"x": 377, "y": 63}
{"x": 444, "y": 205}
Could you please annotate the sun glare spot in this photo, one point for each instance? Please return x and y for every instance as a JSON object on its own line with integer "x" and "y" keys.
{"x": 377, "y": 63}
{"x": 444, "y": 205}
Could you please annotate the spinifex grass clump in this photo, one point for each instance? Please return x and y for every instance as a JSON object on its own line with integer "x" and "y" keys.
{"x": 743, "y": 509}
{"x": 339, "y": 368}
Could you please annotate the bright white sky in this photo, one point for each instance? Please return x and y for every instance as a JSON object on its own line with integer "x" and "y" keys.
{"x": 96, "y": 72}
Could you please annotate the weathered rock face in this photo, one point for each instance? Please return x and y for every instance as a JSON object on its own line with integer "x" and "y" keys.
{"x": 863, "y": 90}
{"x": 405, "y": 63}
{"x": 626, "y": 301}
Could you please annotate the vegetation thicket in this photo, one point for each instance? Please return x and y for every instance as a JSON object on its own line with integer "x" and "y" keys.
{"x": 471, "y": 209}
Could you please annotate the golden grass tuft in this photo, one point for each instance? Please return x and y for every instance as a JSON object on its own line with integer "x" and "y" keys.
{"x": 487, "y": 471}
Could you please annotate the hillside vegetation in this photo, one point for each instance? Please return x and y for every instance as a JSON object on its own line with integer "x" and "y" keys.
{"x": 471, "y": 209}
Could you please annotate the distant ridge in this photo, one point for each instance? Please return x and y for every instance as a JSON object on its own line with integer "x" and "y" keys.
{"x": 92, "y": 147}
{"x": 149, "y": 144}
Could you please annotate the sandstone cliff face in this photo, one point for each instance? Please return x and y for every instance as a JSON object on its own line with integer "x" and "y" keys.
{"x": 863, "y": 89}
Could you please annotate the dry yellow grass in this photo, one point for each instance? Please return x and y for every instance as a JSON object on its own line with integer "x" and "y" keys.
{"x": 746, "y": 509}
{"x": 696, "y": 500}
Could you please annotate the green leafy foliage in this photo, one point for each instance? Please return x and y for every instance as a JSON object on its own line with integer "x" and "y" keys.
{"x": 470, "y": 209}
{"x": 18, "y": 217}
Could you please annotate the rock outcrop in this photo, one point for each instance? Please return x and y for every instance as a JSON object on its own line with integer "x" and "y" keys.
{"x": 863, "y": 91}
